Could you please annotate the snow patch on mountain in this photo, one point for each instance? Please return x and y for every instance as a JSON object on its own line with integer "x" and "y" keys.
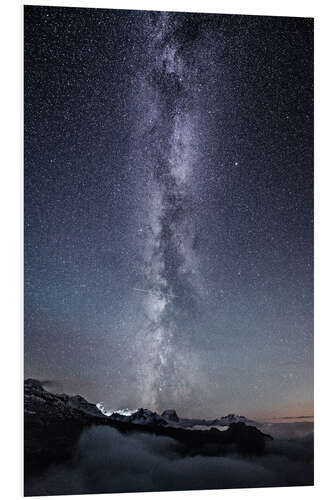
{"x": 127, "y": 412}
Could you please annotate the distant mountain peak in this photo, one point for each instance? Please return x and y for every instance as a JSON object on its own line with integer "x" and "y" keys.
{"x": 234, "y": 418}
{"x": 170, "y": 415}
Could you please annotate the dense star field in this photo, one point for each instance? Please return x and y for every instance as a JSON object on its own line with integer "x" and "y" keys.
{"x": 169, "y": 209}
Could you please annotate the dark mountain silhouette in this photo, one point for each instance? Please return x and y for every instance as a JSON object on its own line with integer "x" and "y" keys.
{"x": 53, "y": 424}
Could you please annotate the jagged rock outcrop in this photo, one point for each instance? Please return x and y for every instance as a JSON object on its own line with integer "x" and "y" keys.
{"x": 147, "y": 417}
{"x": 170, "y": 415}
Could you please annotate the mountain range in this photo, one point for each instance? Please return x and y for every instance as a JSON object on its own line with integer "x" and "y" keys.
{"x": 53, "y": 424}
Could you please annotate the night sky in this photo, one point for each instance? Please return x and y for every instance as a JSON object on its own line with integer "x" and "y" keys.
{"x": 169, "y": 209}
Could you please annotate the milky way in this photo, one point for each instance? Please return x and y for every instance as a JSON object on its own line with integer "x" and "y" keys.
{"x": 170, "y": 268}
{"x": 169, "y": 209}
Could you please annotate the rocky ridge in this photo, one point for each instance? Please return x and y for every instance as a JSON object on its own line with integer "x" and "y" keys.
{"x": 54, "y": 422}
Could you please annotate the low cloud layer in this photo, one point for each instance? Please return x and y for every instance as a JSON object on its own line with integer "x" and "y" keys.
{"x": 107, "y": 461}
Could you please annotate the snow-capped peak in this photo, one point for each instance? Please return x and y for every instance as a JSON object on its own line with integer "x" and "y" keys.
{"x": 126, "y": 412}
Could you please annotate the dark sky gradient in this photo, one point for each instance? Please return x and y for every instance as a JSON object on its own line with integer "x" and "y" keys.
{"x": 169, "y": 209}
